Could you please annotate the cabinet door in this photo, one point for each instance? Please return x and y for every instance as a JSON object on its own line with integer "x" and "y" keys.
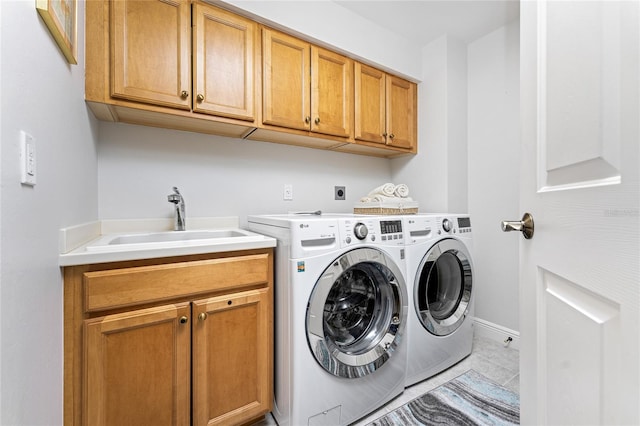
{"x": 331, "y": 93}
{"x": 150, "y": 51}
{"x": 137, "y": 368}
{"x": 223, "y": 59}
{"x": 401, "y": 112}
{"x": 370, "y": 115}
{"x": 285, "y": 74}
{"x": 232, "y": 358}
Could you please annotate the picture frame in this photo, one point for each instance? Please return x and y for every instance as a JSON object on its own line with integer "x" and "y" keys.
{"x": 60, "y": 18}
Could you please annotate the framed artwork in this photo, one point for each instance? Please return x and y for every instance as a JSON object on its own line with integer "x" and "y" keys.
{"x": 60, "y": 17}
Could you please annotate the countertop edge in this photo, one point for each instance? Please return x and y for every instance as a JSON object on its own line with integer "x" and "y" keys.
{"x": 85, "y": 258}
{"x": 74, "y": 238}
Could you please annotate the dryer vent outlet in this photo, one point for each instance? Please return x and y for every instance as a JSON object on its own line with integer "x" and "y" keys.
{"x": 340, "y": 192}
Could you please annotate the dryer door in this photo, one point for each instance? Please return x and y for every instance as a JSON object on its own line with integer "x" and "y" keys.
{"x": 357, "y": 313}
{"x": 442, "y": 290}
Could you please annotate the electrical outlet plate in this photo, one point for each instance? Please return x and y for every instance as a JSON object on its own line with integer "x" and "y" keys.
{"x": 288, "y": 192}
{"x": 340, "y": 192}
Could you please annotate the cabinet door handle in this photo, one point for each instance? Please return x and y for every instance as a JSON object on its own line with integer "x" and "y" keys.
{"x": 183, "y": 319}
{"x": 200, "y": 97}
{"x": 392, "y": 136}
{"x": 307, "y": 119}
{"x": 184, "y": 94}
{"x": 317, "y": 120}
{"x": 384, "y": 135}
{"x": 202, "y": 316}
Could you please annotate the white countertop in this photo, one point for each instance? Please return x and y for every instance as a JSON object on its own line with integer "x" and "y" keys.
{"x": 75, "y": 240}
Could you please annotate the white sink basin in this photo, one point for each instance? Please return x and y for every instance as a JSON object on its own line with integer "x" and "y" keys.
{"x": 158, "y": 237}
{"x": 171, "y": 239}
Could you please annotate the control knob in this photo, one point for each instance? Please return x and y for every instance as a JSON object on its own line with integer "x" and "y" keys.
{"x": 446, "y": 225}
{"x": 360, "y": 231}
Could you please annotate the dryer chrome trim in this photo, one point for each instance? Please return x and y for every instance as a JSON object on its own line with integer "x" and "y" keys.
{"x": 440, "y": 317}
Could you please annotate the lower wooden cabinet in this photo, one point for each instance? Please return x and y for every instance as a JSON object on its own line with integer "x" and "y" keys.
{"x": 203, "y": 358}
{"x": 229, "y": 363}
{"x": 137, "y": 367}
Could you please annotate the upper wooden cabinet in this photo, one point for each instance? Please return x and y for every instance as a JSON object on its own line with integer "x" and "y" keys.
{"x": 385, "y": 108}
{"x": 189, "y": 65}
{"x": 153, "y": 62}
{"x": 150, "y": 52}
{"x": 224, "y": 52}
{"x": 306, "y": 87}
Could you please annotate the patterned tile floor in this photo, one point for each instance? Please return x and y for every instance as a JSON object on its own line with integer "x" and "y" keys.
{"x": 489, "y": 358}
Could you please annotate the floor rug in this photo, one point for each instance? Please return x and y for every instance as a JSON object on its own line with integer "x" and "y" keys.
{"x": 469, "y": 399}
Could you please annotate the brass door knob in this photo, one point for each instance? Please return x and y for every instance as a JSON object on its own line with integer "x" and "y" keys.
{"x": 200, "y": 97}
{"x": 184, "y": 94}
{"x": 183, "y": 319}
{"x": 525, "y": 226}
{"x": 384, "y": 135}
{"x": 202, "y": 316}
{"x": 317, "y": 120}
{"x": 392, "y": 136}
{"x": 307, "y": 119}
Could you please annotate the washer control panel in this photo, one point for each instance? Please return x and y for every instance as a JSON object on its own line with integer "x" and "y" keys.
{"x": 371, "y": 230}
{"x": 391, "y": 230}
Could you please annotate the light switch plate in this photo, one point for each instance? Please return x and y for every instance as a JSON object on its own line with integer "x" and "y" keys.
{"x": 27, "y": 159}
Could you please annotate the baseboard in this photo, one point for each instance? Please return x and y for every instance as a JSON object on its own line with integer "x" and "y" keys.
{"x": 497, "y": 332}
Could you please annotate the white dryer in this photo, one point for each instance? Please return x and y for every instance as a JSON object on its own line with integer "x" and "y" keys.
{"x": 340, "y": 316}
{"x": 440, "y": 287}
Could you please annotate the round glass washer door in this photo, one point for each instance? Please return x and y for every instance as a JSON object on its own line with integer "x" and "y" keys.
{"x": 442, "y": 290}
{"x": 357, "y": 313}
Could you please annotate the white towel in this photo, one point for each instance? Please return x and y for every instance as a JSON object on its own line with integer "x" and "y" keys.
{"x": 383, "y": 199}
{"x": 401, "y": 190}
{"x": 387, "y": 190}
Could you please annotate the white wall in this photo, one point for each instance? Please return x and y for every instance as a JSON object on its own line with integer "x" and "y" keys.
{"x": 42, "y": 95}
{"x": 437, "y": 175}
{"x": 219, "y": 176}
{"x": 339, "y": 28}
{"x": 494, "y": 160}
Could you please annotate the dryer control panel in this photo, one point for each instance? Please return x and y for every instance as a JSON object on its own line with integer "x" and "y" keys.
{"x": 454, "y": 225}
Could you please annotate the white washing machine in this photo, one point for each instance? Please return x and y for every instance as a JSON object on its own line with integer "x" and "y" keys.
{"x": 340, "y": 315}
{"x": 440, "y": 288}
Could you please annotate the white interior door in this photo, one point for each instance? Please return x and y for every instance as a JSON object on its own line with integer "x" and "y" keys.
{"x": 579, "y": 274}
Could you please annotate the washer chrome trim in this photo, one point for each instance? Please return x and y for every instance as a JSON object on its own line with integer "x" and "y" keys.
{"x": 374, "y": 306}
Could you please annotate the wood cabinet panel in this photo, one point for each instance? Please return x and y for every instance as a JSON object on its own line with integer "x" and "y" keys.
{"x": 150, "y": 60}
{"x": 134, "y": 367}
{"x": 370, "y": 106}
{"x": 385, "y": 109}
{"x": 137, "y": 368}
{"x": 115, "y": 288}
{"x": 401, "y": 112}
{"x": 285, "y": 79}
{"x": 224, "y": 65}
{"x": 331, "y": 93}
{"x": 232, "y": 376}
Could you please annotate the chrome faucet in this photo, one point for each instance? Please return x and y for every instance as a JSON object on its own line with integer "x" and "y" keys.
{"x": 180, "y": 221}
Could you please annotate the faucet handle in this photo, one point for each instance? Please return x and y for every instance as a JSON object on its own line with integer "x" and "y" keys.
{"x": 175, "y": 198}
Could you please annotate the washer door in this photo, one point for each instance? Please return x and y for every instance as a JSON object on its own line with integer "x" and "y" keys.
{"x": 443, "y": 287}
{"x": 357, "y": 313}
